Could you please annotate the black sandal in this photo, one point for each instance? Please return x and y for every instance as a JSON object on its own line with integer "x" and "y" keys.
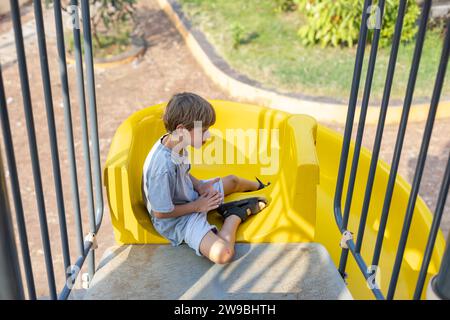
{"x": 241, "y": 202}
{"x": 239, "y": 207}
{"x": 261, "y": 185}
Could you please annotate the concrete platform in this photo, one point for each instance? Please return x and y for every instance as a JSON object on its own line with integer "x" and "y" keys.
{"x": 258, "y": 271}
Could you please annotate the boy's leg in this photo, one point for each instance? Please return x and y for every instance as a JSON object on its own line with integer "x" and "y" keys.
{"x": 219, "y": 248}
{"x": 232, "y": 183}
{"x": 229, "y": 227}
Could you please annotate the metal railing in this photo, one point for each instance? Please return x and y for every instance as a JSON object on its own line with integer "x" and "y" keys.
{"x": 442, "y": 283}
{"x": 11, "y": 283}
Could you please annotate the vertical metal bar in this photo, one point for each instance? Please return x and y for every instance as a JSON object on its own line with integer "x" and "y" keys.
{"x": 421, "y": 162}
{"x": 402, "y": 129}
{"x": 52, "y": 131}
{"x": 384, "y": 107}
{"x": 95, "y": 221}
{"x": 342, "y": 221}
{"x": 10, "y": 281}
{"x": 350, "y": 117}
{"x": 362, "y": 122}
{"x": 68, "y": 123}
{"x": 383, "y": 111}
{"x": 442, "y": 280}
{"x": 11, "y": 159}
{"x": 82, "y": 107}
{"x": 443, "y": 193}
{"x": 21, "y": 58}
{"x": 359, "y": 137}
{"x": 85, "y": 132}
{"x": 93, "y": 112}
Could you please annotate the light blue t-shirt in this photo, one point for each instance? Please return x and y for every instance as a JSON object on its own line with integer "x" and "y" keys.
{"x": 166, "y": 183}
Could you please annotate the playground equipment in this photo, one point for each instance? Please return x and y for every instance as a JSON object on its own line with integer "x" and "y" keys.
{"x": 326, "y": 215}
{"x": 301, "y": 190}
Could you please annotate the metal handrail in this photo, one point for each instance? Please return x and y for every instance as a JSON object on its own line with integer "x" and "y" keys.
{"x": 86, "y": 245}
{"x": 342, "y": 219}
{"x": 11, "y": 284}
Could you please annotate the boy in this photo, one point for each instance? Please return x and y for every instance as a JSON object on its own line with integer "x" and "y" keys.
{"x": 177, "y": 201}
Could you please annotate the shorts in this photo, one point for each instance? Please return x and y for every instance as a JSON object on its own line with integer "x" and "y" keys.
{"x": 198, "y": 226}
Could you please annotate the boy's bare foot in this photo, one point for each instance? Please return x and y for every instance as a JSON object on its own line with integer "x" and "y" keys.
{"x": 261, "y": 206}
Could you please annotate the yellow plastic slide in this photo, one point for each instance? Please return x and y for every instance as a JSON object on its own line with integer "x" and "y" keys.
{"x": 300, "y": 158}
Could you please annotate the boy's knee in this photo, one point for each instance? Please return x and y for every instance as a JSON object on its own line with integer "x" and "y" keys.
{"x": 225, "y": 255}
{"x": 234, "y": 181}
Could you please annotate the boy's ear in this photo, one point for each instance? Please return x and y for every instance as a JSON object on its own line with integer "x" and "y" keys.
{"x": 180, "y": 131}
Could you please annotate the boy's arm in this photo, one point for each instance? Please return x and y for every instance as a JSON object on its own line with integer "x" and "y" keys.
{"x": 178, "y": 211}
{"x": 195, "y": 182}
{"x": 204, "y": 203}
{"x": 203, "y": 187}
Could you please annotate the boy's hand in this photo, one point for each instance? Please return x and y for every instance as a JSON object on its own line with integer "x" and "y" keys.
{"x": 208, "y": 202}
{"x": 206, "y": 188}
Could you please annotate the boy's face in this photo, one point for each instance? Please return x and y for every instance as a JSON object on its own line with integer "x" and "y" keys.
{"x": 196, "y": 137}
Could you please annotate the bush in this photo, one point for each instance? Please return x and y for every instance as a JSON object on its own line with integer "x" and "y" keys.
{"x": 112, "y": 16}
{"x": 111, "y": 21}
{"x": 285, "y": 5}
{"x": 337, "y": 22}
{"x": 439, "y": 24}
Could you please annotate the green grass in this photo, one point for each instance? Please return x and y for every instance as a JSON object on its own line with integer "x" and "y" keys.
{"x": 269, "y": 51}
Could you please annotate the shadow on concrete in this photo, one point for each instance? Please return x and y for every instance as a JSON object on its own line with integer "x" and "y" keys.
{"x": 259, "y": 271}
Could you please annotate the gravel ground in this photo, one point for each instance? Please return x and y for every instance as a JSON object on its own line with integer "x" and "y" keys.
{"x": 166, "y": 68}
